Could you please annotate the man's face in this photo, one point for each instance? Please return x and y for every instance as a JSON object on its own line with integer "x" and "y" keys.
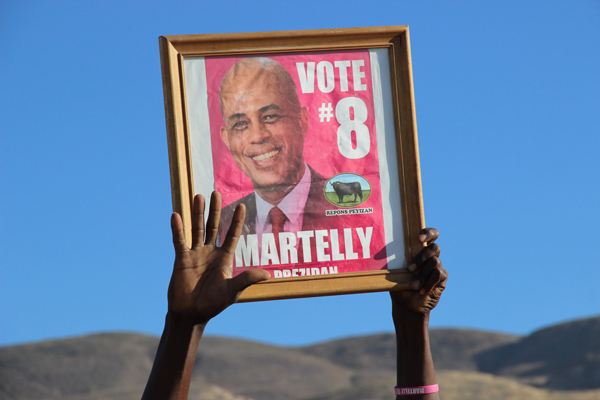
{"x": 263, "y": 129}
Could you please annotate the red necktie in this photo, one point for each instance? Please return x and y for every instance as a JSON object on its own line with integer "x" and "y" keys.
{"x": 278, "y": 219}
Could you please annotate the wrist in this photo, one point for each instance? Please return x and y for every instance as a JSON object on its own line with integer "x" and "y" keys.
{"x": 181, "y": 322}
{"x": 408, "y": 320}
{"x": 414, "y": 362}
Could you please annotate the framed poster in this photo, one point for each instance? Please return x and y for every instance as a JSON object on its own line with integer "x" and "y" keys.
{"x": 315, "y": 133}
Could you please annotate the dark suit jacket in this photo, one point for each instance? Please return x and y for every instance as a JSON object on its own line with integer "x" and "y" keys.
{"x": 314, "y": 209}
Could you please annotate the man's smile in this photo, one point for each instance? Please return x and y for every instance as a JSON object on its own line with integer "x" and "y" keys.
{"x": 265, "y": 156}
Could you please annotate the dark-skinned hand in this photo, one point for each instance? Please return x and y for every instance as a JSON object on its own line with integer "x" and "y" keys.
{"x": 429, "y": 277}
{"x": 201, "y": 285}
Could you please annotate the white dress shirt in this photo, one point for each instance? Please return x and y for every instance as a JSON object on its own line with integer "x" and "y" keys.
{"x": 292, "y": 206}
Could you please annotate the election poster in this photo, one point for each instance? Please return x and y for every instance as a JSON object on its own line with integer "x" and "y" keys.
{"x": 314, "y": 133}
{"x": 304, "y": 133}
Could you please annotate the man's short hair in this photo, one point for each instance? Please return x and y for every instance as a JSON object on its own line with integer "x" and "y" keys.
{"x": 285, "y": 82}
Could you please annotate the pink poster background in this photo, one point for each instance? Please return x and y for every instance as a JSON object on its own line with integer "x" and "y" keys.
{"x": 320, "y": 149}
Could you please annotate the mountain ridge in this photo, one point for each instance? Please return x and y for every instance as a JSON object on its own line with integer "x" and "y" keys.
{"x": 116, "y": 366}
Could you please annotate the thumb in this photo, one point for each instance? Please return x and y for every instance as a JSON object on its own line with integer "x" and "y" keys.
{"x": 245, "y": 279}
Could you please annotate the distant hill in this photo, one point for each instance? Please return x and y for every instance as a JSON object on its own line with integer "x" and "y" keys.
{"x": 78, "y": 366}
{"x": 471, "y": 365}
{"x": 103, "y": 366}
{"x": 565, "y": 356}
{"x": 452, "y": 349}
{"x": 462, "y": 385}
{"x": 267, "y": 372}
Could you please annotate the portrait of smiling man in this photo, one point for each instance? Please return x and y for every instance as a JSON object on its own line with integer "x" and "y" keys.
{"x": 264, "y": 128}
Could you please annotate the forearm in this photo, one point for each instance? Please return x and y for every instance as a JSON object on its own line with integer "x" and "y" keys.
{"x": 174, "y": 362}
{"x": 414, "y": 362}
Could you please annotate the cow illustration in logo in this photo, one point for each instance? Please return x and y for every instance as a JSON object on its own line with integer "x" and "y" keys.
{"x": 347, "y": 190}
{"x": 342, "y": 189}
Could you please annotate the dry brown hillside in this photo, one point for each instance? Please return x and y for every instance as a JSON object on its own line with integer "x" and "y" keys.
{"x": 565, "y": 356}
{"x": 471, "y": 365}
{"x": 461, "y": 385}
{"x": 452, "y": 349}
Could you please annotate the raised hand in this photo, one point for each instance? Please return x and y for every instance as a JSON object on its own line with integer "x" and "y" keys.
{"x": 201, "y": 285}
{"x": 429, "y": 279}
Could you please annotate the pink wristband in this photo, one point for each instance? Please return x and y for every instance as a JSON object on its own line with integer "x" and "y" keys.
{"x": 408, "y": 391}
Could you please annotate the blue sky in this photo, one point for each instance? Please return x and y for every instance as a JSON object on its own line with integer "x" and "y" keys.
{"x": 508, "y": 112}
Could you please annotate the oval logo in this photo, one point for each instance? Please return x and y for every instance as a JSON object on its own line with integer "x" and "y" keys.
{"x": 347, "y": 190}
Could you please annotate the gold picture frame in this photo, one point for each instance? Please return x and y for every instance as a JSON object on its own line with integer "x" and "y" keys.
{"x": 392, "y": 44}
